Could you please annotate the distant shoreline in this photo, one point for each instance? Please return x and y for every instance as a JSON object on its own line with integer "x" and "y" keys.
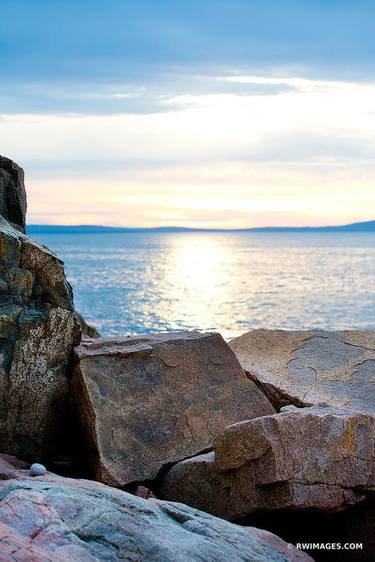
{"x": 368, "y": 226}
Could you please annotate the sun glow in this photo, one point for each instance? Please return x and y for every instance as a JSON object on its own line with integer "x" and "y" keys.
{"x": 300, "y": 153}
{"x": 196, "y": 271}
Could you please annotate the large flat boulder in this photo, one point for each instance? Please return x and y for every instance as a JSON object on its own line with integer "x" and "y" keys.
{"x": 55, "y": 519}
{"x": 311, "y": 459}
{"x": 148, "y": 401}
{"x": 37, "y": 332}
{"x": 312, "y": 367}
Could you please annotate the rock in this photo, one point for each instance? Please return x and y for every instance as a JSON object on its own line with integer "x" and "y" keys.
{"x": 37, "y": 469}
{"x": 12, "y": 193}
{"x": 148, "y": 401}
{"x": 143, "y": 492}
{"x": 87, "y": 330}
{"x": 306, "y": 368}
{"x": 317, "y": 458}
{"x": 62, "y": 519}
{"x": 37, "y": 331}
{"x": 9, "y": 467}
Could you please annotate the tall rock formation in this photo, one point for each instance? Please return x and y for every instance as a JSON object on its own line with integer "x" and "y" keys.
{"x": 38, "y": 328}
{"x": 12, "y": 193}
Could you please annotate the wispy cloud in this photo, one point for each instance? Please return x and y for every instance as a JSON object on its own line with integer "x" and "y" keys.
{"x": 211, "y": 112}
{"x": 163, "y": 94}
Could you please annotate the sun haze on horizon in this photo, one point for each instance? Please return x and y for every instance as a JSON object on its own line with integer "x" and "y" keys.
{"x": 201, "y": 114}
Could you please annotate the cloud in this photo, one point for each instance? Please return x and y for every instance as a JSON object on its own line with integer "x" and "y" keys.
{"x": 73, "y": 56}
{"x": 215, "y": 111}
{"x": 309, "y": 120}
{"x": 62, "y": 98}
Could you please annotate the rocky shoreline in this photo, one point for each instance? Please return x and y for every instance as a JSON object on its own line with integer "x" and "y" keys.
{"x": 172, "y": 446}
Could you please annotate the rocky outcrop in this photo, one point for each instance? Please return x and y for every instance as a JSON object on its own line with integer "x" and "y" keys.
{"x": 12, "y": 193}
{"x": 37, "y": 328}
{"x": 305, "y": 368}
{"x": 167, "y": 414}
{"x": 316, "y": 458}
{"x": 149, "y": 401}
{"x": 52, "y": 519}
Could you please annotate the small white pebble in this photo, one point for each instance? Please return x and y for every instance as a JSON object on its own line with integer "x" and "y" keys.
{"x": 37, "y": 469}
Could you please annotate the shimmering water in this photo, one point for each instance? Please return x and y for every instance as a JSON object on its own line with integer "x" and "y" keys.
{"x": 231, "y": 282}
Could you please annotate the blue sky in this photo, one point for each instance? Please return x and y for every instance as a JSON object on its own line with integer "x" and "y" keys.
{"x": 198, "y": 113}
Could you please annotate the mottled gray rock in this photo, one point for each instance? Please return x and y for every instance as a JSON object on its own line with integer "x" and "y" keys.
{"x": 151, "y": 400}
{"x": 316, "y": 458}
{"x": 55, "y": 519}
{"x": 37, "y": 332}
{"x": 306, "y": 368}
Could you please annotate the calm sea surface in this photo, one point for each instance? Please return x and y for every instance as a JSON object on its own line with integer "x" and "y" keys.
{"x": 232, "y": 282}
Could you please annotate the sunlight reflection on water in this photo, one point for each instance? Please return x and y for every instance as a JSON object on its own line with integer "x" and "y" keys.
{"x": 231, "y": 282}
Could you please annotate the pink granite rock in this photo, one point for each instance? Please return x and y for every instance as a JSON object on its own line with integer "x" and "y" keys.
{"x": 55, "y": 519}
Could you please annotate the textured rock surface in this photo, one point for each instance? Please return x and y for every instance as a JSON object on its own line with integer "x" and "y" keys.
{"x": 37, "y": 331}
{"x": 316, "y": 458}
{"x": 50, "y": 518}
{"x": 12, "y": 193}
{"x": 305, "y": 368}
{"x": 87, "y": 330}
{"x": 149, "y": 401}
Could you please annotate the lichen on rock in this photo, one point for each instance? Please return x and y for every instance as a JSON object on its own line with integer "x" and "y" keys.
{"x": 38, "y": 329}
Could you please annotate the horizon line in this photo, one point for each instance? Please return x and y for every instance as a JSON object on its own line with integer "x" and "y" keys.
{"x": 363, "y": 225}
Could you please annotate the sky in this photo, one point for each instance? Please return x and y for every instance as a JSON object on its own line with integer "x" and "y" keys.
{"x": 206, "y": 113}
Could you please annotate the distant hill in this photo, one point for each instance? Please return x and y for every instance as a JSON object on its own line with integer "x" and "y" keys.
{"x": 368, "y": 226}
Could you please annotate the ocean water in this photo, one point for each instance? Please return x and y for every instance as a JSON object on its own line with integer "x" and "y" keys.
{"x": 128, "y": 283}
